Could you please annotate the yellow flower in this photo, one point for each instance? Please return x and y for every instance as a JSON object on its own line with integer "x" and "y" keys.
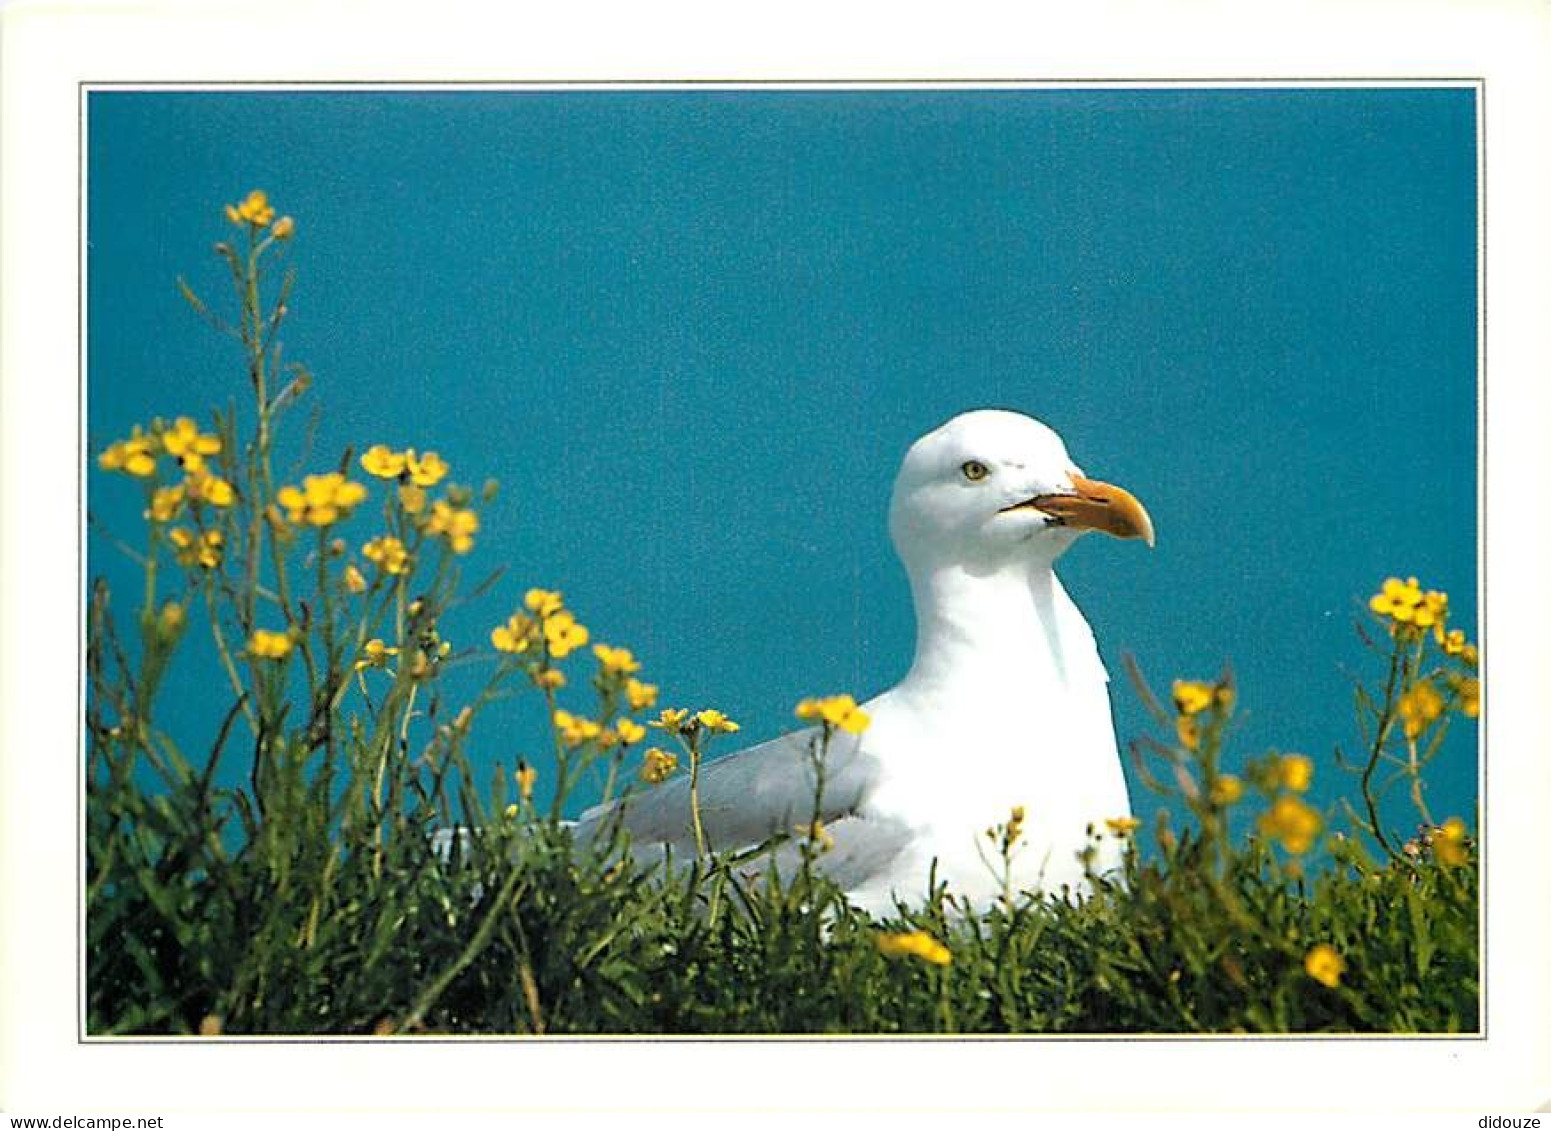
{"x": 630, "y": 731}
{"x": 835, "y": 711}
{"x": 542, "y": 602}
{"x": 526, "y": 775}
{"x": 1324, "y": 965}
{"x": 512, "y": 810}
{"x": 354, "y": 581}
{"x": 322, "y": 500}
{"x": 517, "y": 635}
{"x": 134, "y": 456}
{"x": 202, "y": 486}
{"x": 1453, "y": 641}
{"x": 269, "y": 645}
{"x": 1433, "y": 610}
{"x": 388, "y": 553}
{"x": 563, "y": 634}
{"x": 548, "y": 679}
{"x": 425, "y": 471}
{"x": 616, "y": 661}
{"x": 410, "y": 469}
{"x": 454, "y": 524}
{"x": 255, "y": 210}
{"x": 657, "y": 765}
{"x": 1407, "y": 605}
{"x": 1005, "y": 836}
{"x": 1291, "y": 822}
{"x": 165, "y": 502}
{"x": 284, "y": 228}
{"x": 374, "y": 654}
{"x": 411, "y": 498}
{"x": 1448, "y": 843}
{"x": 1294, "y": 772}
{"x": 716, "y": 721}
{"x": 1419, "y": 708}
{"x": 185, "y": 442}
{"x": 914, "y": 944}
{"x": 194, "y": 464}
{"x": 1398, "y": 600}
{"x": 1470, "y": 697}
{"x": 204, "y": 550}
{"x": 1191, "y": 697}
{"x": 1189, "y": 730}
{"x": 183, "y": 544}
{"x": 640, "y": 695}
{"x": 671, "y": 718}
{"x": 169, "y": 622}
{"x": 1122, "y": 826}
{"x": 575, "y": 730}
{"x": 817, "y": 834}
{"x": 1226, "y": 789}
{"x": 383, "y": 462}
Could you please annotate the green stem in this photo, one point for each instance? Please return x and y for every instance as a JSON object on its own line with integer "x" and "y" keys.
{"x": 694, "y": 795}
{"x": 1414, "y": 770}
{"x": 227, "y": 662}
{"x": 613, "y": 775}
{"x": 254, "y": 337}
{"x": 150, "y": 570}
{"x": 1386, "y": 722}
{"x": 382, "y": 765}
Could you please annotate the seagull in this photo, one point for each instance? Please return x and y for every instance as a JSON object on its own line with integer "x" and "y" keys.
{"x": 1005, "y": 706}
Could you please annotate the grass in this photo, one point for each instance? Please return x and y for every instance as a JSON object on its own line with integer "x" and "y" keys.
{"x": 312, "y": 896}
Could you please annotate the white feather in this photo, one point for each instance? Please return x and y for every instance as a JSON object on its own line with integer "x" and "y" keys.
{"x": 1006, "y": 703}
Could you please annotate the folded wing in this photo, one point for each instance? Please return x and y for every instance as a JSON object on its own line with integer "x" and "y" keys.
{"x": 746, "y": 798}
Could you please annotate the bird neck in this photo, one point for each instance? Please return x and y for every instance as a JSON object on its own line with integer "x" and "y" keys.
{"x": 999, "y": 633}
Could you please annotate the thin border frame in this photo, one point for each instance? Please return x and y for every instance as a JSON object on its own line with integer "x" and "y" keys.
{"x": 85, "y": 88}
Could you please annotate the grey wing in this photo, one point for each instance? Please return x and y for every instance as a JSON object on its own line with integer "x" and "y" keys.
{"x": 858, "y": 852}
{"x": 747, "y": 797}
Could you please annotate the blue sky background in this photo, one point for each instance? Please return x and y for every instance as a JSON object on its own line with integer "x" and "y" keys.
{"x": 693, "y": 332}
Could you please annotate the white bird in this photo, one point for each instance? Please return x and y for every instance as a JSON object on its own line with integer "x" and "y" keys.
{"x": 1006, "y": 703}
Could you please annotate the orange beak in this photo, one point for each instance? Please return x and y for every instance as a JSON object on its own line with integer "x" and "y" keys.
{"x": 1098, "y": 506}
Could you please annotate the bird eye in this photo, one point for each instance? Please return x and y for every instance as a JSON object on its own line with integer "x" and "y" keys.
{"x": 974, "y": 470}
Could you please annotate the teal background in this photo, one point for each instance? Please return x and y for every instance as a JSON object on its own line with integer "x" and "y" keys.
{"x": 693, "y": 332}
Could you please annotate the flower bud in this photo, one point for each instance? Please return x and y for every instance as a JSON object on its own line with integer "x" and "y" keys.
{"x": 169, "y": 623}
{"x": 284, "y": 228}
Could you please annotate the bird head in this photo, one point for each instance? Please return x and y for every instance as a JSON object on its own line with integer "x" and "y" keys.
{"x": 989, "y": 488}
